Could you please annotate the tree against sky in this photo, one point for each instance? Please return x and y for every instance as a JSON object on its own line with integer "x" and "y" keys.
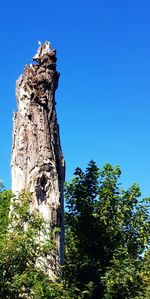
{"x": 103, "y": 59}
{"x": 107, "y": 232}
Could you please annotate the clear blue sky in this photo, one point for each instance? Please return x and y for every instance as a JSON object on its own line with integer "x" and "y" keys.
{"x": 103, "y": 100}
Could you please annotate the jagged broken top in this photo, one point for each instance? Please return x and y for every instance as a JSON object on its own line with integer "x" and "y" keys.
{"x": 39, "y": 80}
{"x": 43, "y": 51}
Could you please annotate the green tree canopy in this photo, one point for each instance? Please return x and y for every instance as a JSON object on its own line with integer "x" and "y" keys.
{"x": 107, "y": 253}
{"x": 107, "y": 232}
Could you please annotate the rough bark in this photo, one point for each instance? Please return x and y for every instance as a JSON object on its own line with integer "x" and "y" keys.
{"x": 37, "y": 160}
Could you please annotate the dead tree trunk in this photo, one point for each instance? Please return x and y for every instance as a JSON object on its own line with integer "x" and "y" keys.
{"x": 37, "y": 159}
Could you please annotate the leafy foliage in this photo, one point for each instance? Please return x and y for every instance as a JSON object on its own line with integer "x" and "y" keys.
{"x": 27, "y": 245}
{"x": 107, "y": 251}
{"x": 107, "y": 231}
{"x": 5, "y": 196}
